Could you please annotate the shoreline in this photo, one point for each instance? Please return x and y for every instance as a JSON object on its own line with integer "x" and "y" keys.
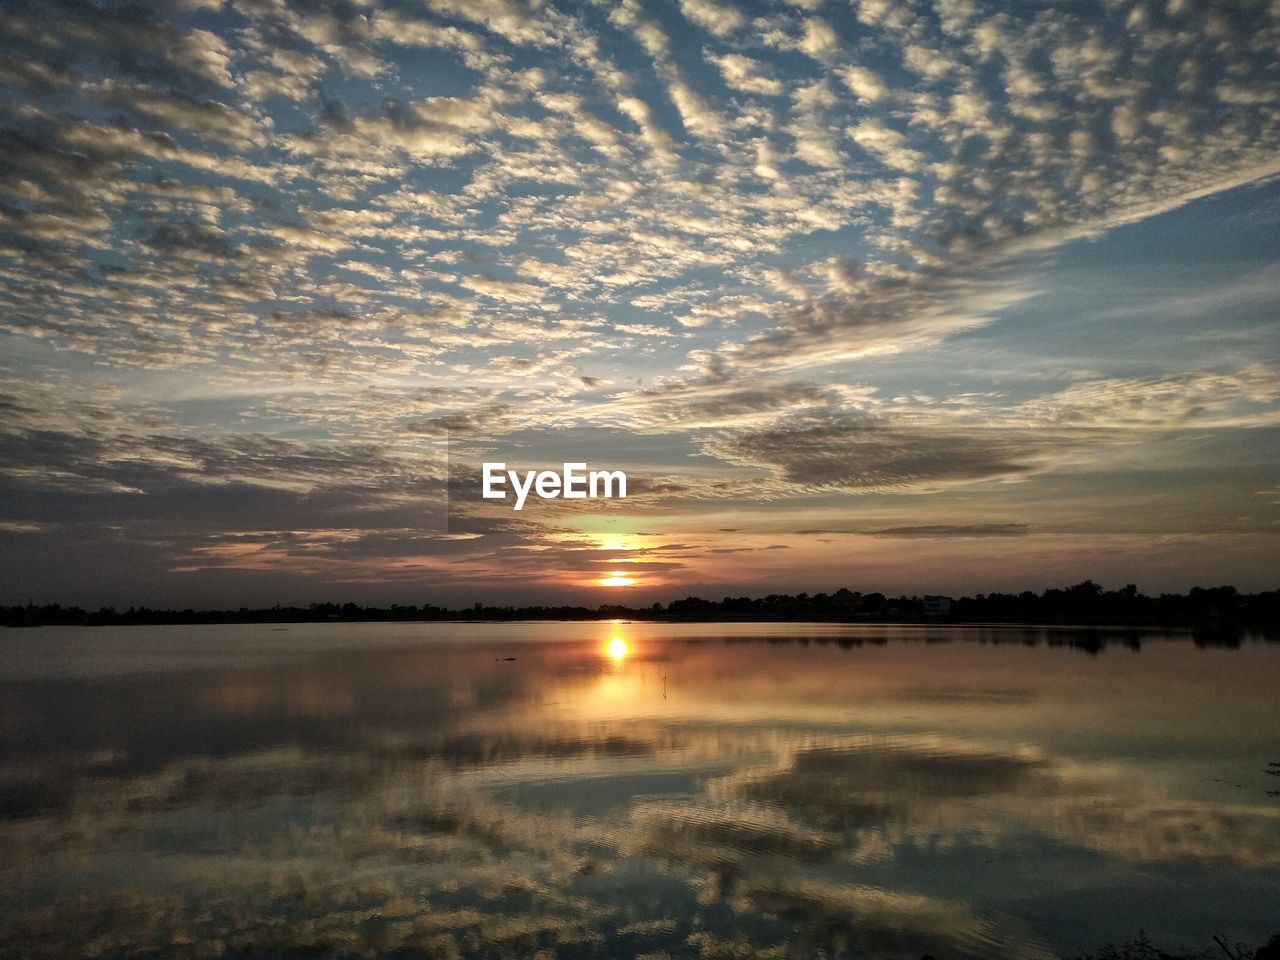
{"x": 233, "y": 619}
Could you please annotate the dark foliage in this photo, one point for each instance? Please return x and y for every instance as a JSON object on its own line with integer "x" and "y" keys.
{"x": 1143, "y": 949}
{"x": 1216, "y": 614}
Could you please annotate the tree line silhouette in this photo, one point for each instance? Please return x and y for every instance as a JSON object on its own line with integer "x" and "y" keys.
{"x": 1084, "y": 603}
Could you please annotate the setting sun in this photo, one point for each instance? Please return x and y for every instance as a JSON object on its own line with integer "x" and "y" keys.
{"x": 616, "y": 579}
{"x": 617, "y": 648}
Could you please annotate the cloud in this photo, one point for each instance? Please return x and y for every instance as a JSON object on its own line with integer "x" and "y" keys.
{"x": 818, "y": 38}
{"x": 709, "y": 404}
{"x": 863, "y": 454}
{"x": 1198, "y": 398}
{"x": 510, "y": 290}
{"x": 951, "y": 530}
{"x": 137, "y": 40}
{"x": 717, "y": 18}
{"x": 809, "y": 129}
{"x": 743, "y": 73}
{"x": 876, "y": 316}
{"x": 697, "y": 115}
{"x": 483, "y": 420}
{"x": 190, "y": 241}
{"x": 516, "y": 21}
{"x": 434, "y": 127}
{"x": 868, "y": 87}
{"x": 204, "y": 117}
{"x": 885, "y": 143}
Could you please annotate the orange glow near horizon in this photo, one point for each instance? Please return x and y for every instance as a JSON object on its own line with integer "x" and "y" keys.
{"x": 614, "y": 541}
{"x": 616, "y": 578}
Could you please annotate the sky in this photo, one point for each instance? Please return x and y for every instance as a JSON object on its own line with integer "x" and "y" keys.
{"x": 919, "y": 297}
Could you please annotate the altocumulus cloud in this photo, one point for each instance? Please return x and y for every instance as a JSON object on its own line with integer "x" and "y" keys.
{"x": 273, "y": 241}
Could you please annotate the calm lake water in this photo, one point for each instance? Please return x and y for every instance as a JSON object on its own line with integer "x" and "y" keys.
{"x": 632, "y": 790}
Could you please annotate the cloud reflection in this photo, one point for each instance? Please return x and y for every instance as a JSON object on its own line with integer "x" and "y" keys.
{"x": 459, "y": 805}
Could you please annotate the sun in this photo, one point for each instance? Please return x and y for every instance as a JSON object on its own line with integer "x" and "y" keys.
{"x": 617, "y": 648}
{"x": 616, "y": 578}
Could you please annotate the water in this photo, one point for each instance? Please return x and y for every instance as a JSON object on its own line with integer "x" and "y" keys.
{"x": 632, "y": 790}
